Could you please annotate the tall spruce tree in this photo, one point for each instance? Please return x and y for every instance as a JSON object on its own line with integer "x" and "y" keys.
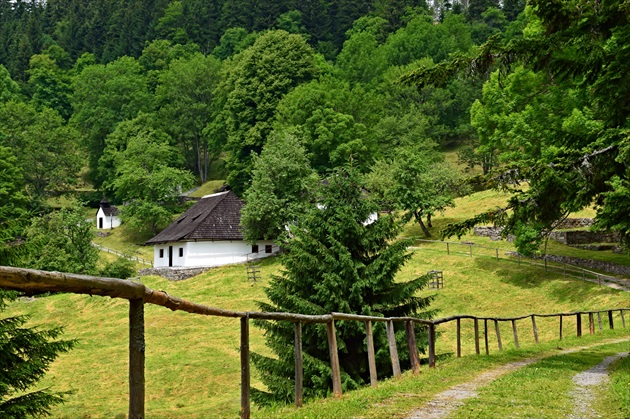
{"x": 336, "y": 261}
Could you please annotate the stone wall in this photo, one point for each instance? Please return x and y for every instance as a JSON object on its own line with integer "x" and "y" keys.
{"x": 173, "y": 274}
{"x": 575, "y": 223}
{"x": 584, "y": 237}
{"x": 494, "y": 233}
{"x": 612, "y": 268}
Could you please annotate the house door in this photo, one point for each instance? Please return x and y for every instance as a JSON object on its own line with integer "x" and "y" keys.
{"x": 100, "y": 222}
{"x": 170, "y": 256}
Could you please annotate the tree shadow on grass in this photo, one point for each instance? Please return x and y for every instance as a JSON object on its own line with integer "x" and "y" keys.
{"x": 565, "y": 290}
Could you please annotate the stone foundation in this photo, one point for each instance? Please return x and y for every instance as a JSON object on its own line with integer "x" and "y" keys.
{"x": 174, "y": 274}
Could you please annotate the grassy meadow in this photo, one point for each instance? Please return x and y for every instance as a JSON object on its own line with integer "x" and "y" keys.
{"x": 192, "y": 362}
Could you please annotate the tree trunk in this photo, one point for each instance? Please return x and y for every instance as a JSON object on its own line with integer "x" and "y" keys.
{"x": 424, "y": 228}
{"x": 429, "y": 223}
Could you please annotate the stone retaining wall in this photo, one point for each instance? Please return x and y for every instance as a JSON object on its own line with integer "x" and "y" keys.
{"x": 612, "y": 268}
{"x": 584, "y": 237}
{"x": 173, "y": 274}
{"x": 575, "y": 223}
{"x": 494, "y": 233}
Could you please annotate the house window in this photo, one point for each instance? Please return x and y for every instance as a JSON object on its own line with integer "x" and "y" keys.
{"x": 254, "y": 248}
{"x": 267, "y": 248}
{"x": 181, "y": 252}
{"x": 161, "y": 253}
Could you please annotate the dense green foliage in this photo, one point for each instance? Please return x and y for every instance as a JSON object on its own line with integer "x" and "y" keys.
{"x": 337, "y": 261}
{"x": 282, "y": 189}
{"x": 555, "y": 111}
{"x": 25, "y": 355}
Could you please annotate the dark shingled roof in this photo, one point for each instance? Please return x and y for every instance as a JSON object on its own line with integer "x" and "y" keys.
{"x": 214, "y": 217}
{"x": 108, "y": 209}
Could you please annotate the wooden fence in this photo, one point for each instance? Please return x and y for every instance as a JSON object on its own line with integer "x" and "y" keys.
{"x": 32, "y": 281}
{"x": 495, "y": 253}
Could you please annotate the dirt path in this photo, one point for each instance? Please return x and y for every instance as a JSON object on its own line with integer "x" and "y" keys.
{"x": 446, "y": 402}
{"x": 585, "y": 383}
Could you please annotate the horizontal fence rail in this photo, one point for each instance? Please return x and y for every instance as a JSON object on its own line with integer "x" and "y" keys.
{"x": 32, "y": 282}
{"x": 122, "y": 255}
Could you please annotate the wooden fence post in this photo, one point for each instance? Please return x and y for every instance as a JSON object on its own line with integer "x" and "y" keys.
{"x": 393, "y": 351}
{"x": 334, "y": 358}
{"x": 591, "y": 323}
{"x": 535, "y": 330}
{"x": 496, "y": 327}
{"x": 497, "y": 253}
{"x": 299, "y": 367}
{"x": 459, "y": 337}
{"x": 245, "y": 372}
{"x": 485, "y": 333}
{"x": 371, "y": 354}
{"x": 610, "y": 319}
{"x": 515, "y": 334}
{"x": 431, "y": 345}
{"x": 578, "y": 318}
{"x": 448, "y": 251}
{"x": 623, "y": 319}
{"x": 470, "y": 246}
{"x": 413, "y": 348}
{"x": 599, "y": 321}
{"x": 561, "y": 327}
{"x": 136, "y": 359}
{"x": 477, "y": 336}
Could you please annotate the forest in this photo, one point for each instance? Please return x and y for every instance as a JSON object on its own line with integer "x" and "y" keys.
{"x": 140, "y": 101}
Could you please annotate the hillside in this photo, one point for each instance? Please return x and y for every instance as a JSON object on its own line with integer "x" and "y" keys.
{"x": 192, "y": 361}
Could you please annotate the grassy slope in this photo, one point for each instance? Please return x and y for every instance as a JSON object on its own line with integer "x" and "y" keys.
{"x": 192, "y": 361}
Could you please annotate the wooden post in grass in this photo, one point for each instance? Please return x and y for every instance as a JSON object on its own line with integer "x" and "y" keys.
{"x": 515, "y": 333}
{"x": 334, "y": 358}
{"x": 578, "y": 319}
{"x": 599, "y": 321}
{"x": 623, "y": 319}
{"x": 497, "y": 250}
{"x": 470, "y": 246}
{"x": 496, "y": 327}
{"x": 393, "y": 351}
{"x": 459, "y": 337}
{"x": 448, "y": 251}
{"x": 477, "y": 336}
{"x": 485, "y": 333}
{"x": 136, "y": 359}
{"x": 561, "y": 327}
{"x": 591, "y": 324}
{"x": 431, "y": 345}
{"x": 535, "y": 330}
{"x": 413, "y": 348}
{"x": 371, "y": 354}
{"x": 245, "y": 372}
{"x": 299, "y": 367}
{"x": 610, "y": 319}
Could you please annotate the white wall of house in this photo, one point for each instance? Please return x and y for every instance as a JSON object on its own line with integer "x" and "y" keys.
{"x": 104, "y": 222}
{"x": 209, "y": 253}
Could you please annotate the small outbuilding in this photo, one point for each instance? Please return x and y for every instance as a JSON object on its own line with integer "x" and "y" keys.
{"x": 208, "y": 234}
{"x": 107, "y": 216}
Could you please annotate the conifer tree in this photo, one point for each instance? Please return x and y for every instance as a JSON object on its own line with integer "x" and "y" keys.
{"x": 25, "y": 355}
{"x": 337, "y": 261}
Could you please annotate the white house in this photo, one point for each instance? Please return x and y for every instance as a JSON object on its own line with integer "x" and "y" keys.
{"x": 207, "y": 234}
{"x": 107, "y": 216}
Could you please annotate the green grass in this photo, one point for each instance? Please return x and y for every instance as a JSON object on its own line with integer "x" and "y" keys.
{"x": 396, "y": 398}
{"x": 540, "y": 390}
{"x": 120, "y": 239}
{"x": 208, "y": 188}
{"x": 193, "y": 361}
{"x": 476, "y": 203}
{"x": 617, "y": 398}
